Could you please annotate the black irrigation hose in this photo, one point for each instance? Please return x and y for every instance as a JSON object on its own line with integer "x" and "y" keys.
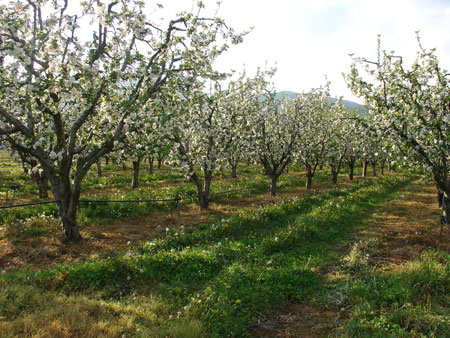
{"x": 176, "y": 199}
{"x": 27, "y": 204}
{"x": 16, "y": 186}
{"x": 228, "y": 191}
{"x": 93, "y": 170}
{"x": 137, "y": 201}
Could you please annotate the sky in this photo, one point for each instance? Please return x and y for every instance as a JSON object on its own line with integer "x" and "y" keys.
{"x": 310, "y": 39}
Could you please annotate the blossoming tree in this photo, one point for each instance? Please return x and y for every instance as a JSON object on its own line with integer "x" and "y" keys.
{"x": 312, "y": 113}
{"x": 274, "y": 135}
{"x": 411, "y": 104}
{"x": 72, "y": 80}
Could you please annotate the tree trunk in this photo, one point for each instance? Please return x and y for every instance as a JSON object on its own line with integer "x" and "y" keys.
{"x": 234, "y": 171}
{"x": 308, "y": 182}
{"x": 446, "y": 209}
{"x": 99, "y": 169}
{"x": 68, "y": 198}
{"x": 364, "y": 168}
{"x": 233, "y": 164}
{"x": 351, "y": 170}
{"x": 309, "y": 176}
{"x": 124, "y": 166}
{"x": 374, "y": 168}
{"x": 71, "y": 230}
{"x": 382, "y": 164}
{"x": 135, "y": 180}
{"x": 206, "y": 187}
{"x": 150, "y": 164}
{"x": 335, "y": 169}
{"x": 160, "y": 160}
{"x": 106, "y": 160}
{"x": 203, "y": 202}
{"x": 273, "y": 186}
{"x": 202, "y": 189}
{"x": 42, "y": 183}
{"x": 444, "y": 204}
{"x": 334, "y": 174}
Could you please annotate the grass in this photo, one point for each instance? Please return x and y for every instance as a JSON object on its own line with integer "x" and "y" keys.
{"x": 386, "y": 298}
{"x": 206, "y": 281}
{"x": 100, "y": 212}
{"x": 411, "y": 301}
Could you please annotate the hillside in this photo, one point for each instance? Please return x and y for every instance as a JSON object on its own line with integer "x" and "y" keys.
{"x": 349, "y": 105}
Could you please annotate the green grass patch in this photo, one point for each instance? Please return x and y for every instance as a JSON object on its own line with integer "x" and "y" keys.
{"x": 412, "y": 301}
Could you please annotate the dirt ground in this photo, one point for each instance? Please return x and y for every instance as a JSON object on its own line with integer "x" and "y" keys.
{"x": 404, "y": 227}
{"x": 42, "y": 251}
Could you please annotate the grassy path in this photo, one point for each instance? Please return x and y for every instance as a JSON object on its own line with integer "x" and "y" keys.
{"x": 393, "y": 280}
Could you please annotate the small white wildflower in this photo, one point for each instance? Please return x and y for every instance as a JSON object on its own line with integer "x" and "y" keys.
{"x": 128, "y": 278}
{"x": 269, "y": 262}
{"x": 167, "y": 229}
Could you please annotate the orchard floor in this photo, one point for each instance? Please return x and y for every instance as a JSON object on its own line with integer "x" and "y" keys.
{"x": 36, "y": 252}
{"x": 402, "y": 228}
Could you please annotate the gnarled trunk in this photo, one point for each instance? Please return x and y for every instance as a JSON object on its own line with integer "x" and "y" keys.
{"x": 68, "y": 197}
{"x": 273, "y": 185}
{"x": 374, "y": 168}
{"x": 309, "y": 176}
{"x": 203, "y": 189}
{"x": 42, "y": 183}
{"x": 151, "y": 159}
{"x": 135, "y": 180}
{"x": 335, "y": 169}
{"x": 351, "y": 170}
{"x": 71, "y": 230}
{"x": 274, "y": 171}
{"x": 334, "y": 174}
{"x": 444, "y": 204}
{"x": 233, "y": 164}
